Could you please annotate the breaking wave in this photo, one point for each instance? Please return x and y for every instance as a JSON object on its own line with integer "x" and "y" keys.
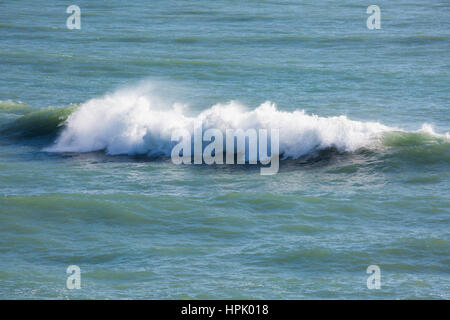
{"x": 136, "y": 121}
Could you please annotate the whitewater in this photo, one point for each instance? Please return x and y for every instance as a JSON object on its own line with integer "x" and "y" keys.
{"x": 137, "y": 121}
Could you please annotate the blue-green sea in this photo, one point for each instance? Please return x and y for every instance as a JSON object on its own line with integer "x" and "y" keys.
{"x": 86, "y": 176}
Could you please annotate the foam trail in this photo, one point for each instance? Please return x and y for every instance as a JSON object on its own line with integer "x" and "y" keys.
{"x": 134, "y": 121}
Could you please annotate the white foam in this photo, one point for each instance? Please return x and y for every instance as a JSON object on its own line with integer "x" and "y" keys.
{"x": 136, "y": 121}
{"x": 428, "y": 129}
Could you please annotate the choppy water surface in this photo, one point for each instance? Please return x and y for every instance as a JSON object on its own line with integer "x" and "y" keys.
{"x": 86, "y": 177}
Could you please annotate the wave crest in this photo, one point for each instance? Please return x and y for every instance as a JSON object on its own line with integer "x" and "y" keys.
{"x": 134, "y": 121}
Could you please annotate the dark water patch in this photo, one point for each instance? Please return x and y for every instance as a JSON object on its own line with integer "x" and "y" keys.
{"x": 424, "y": 178}
{"x": 256, "y": 202}
{"x": 135, "y": 276}
{"x": 72, "y": 209}
{"x": 300, "y": 228}
{"x": 45, "y": 122}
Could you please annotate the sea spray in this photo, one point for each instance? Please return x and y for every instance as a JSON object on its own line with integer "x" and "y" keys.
{"x": 133, "y": 121}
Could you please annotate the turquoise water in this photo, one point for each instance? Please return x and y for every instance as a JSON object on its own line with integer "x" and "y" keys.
{"x": 365, "y": 182}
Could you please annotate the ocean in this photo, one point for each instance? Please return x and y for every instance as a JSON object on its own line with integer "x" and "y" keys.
{"x": 86, "y": 177}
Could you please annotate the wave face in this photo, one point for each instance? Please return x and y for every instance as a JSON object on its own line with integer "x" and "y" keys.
{"x": 13, "y": 107}
{"x": 136, "y": 121}
{"x": 27, "y": 122}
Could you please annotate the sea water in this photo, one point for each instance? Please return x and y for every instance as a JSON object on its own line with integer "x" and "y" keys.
{"x": 86, "y": 179}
